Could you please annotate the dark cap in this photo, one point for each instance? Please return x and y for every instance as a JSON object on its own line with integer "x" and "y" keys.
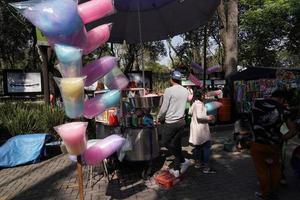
{"x": 176, "y": 75}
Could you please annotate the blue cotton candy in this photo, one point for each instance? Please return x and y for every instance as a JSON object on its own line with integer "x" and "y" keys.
{"x": 55, "y": 17}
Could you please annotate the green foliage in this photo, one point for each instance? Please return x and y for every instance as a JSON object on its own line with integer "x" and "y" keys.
{"x": 21, "y": 118}
{"x": 17, "y": 39}
{"x": 131, "y": 55}
{"x": 155, "y": 67}
{"x": 160, "y": 81}
{"x": 267, "y": 28}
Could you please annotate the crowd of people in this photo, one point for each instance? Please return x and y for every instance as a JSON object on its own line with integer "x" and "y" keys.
{"x": 261, "y": 132}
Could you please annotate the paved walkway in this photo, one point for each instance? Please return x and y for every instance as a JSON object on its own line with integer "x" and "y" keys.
{"x": 55, "y": 178}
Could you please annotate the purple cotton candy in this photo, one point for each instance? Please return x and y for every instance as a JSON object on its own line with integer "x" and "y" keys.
{"x": 197, "y": 67}
{"x": 115, "y": 79}
{"x": 98, "y": 68}
{"x": 102, "y": 149}
{"x": 93, "y": 107}
{"x": 215, "y": 68}
{"x": 119, "y": 82}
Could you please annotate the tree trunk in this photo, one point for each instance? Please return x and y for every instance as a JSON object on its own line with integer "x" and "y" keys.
{"x": 228, "y": 12}
{"x": 45, "y": 72}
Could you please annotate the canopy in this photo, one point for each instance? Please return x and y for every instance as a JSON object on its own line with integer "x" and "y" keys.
{"x": 253, "y": 73}
{"x": 151, "y": 20}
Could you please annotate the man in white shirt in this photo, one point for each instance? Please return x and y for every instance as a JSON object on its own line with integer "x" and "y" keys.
{"x": 172, "y": 115}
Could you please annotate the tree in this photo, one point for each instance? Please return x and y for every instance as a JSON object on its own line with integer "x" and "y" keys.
{"x": 131, "y": 55}
{"x": 17, "y": 40}
{"x": 269, "y": 33}
{"x": 156, "y": 67}
{"x": 228, "y": 13}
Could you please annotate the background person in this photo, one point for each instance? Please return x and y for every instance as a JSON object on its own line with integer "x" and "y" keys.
{"x": 266, "y": 148}
{"x": 199, "y": 133}
{"x": 172, "y": 115}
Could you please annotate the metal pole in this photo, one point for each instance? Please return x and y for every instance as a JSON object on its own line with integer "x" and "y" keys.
{"x": 141, "y": 42}
{"x": 112, "y": 48}
{"x": 204, "y": 56}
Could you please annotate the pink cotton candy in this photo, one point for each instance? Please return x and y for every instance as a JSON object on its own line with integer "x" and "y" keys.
{"x": 73, "y": 135}
{"x": 102, "y": 149}
{"x": 95, "y": 9}
{"x": 96, "y": 37}
{"x": 195, "y": 80}
{"x": 100, "y": 103}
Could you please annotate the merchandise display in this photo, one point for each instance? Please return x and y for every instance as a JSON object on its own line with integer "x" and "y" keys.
{"x": 245, "y": 92}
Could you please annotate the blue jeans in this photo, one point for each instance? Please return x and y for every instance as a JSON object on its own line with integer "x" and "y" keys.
{"x": 202, "y": 152}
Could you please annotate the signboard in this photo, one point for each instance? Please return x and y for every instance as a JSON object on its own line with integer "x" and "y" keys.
{"x": 17, "y": 82}
{"x": 219, "y": 82}
{"x": 41, "y": 39}
{"x": 187, "y": 83}
{"x": 190, "y": 83}
{"x": 207, "y": 82}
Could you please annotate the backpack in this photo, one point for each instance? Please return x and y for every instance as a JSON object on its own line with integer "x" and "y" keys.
{"x": 267, "y": 118}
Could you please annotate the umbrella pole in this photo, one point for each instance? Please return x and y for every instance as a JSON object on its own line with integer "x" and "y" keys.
{"x": 141, "y": 42}
{"x": 80, "y": 177}
{"x": 204, "y": 56}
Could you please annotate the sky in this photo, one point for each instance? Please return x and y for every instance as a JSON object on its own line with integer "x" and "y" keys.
{"x": 177, "y": 40}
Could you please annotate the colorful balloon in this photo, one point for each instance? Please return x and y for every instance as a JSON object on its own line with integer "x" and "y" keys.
{"x": 197, "y": 67}
{"x": 100, "y": 103}
{"x": 215, "y": 68}
{"x": 195, "y": 80}
{"x": 95, "y": 9}
{"x": 98, "y": 68}
{"x": 96, "y": 37}
{"x": 70, "y": 59}
{"x": 72, "y": 91}
{"x": 73, "y": 136}
{"x": 115, "y": 79}
{"x": 211, "y": 106}
{"x": 102, "y": 149}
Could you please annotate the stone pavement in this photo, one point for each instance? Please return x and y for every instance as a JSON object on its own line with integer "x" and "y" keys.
{"x": 55, "y": 178}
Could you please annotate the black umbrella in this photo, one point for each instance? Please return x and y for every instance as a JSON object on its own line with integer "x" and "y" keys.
{"x": 151, "y": 20}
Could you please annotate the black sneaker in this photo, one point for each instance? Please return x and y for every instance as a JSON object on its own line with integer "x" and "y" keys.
{"x": 259, "y": 195}
{"x": 208, "y": 170}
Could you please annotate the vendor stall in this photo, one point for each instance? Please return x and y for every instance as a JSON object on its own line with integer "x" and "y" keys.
{"x": 254, "y": 83}
{"x": 136, "y": 115}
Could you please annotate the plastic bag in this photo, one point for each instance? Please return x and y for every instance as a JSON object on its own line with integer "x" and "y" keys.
{"x": 127, "y": 146}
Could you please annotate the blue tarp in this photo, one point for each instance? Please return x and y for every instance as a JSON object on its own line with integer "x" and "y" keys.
{"x": 22, "y": 149}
